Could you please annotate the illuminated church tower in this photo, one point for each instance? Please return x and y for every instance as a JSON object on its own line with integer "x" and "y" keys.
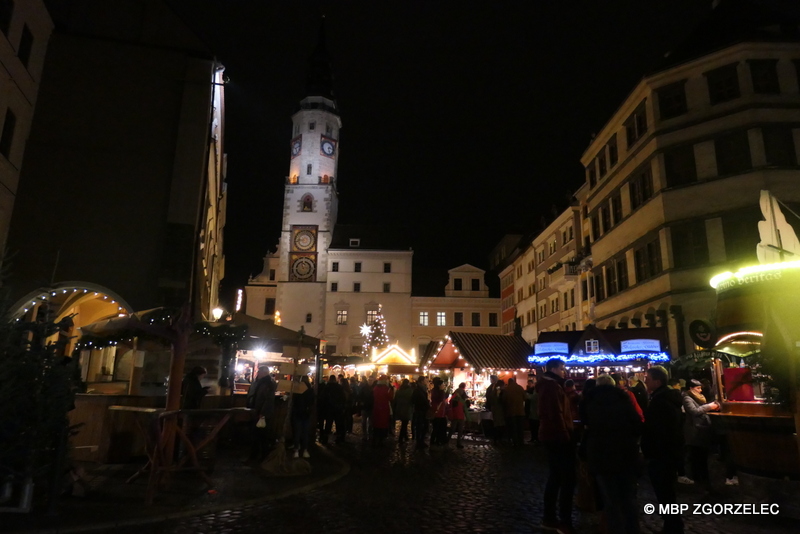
{"x": 310, "y": 201}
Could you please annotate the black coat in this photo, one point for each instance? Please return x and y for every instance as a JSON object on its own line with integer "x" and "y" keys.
{"x": 662, "y": 436}
{"x": 612, "y": 429}
{"x": 193, "y": 392}
{"x": 333, "y": 399}
{"x": 303, "y": 403}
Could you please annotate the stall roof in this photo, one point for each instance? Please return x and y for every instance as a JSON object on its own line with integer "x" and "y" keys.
{"x": 481, "y": 351}
{"x": 618, "y": 345}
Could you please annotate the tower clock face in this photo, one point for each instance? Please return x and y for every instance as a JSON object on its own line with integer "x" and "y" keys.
{"x": 297, "y": 144}
{"x": 327, "y": 147}
{"x": 304, "y": 240}
{"x": 303, "y": 269}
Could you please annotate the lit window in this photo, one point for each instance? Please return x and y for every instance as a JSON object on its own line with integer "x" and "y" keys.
{"x": 341, "y": 316}
{"x": 372, "y": 316}
{"x": 423, "y": 318}
{"x": 440, "y": 319}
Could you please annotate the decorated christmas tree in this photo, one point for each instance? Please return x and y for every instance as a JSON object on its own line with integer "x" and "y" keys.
{"x": 375, "y": 332}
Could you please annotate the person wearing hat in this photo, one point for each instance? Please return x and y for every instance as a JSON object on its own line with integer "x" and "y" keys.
{"x": 697, "y": 430}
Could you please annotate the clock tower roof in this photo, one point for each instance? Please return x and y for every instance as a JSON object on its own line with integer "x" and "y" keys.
{"x": 319, "y": 82}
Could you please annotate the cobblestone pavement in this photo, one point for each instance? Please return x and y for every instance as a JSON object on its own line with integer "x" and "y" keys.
{"x": 481, "y": 488}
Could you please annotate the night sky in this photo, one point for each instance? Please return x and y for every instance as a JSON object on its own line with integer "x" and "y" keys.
{"x": 461, "y": 121}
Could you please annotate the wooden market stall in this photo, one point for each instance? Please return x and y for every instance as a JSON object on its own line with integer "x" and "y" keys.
{"x": 590, "y": 352}
{"x": 473, "y": 358}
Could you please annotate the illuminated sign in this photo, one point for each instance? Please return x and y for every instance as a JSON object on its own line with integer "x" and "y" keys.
{"x": 752, "y": 274}
{"x": 640, "y": 345}
{"x": 551, "y": 348}
{"x": 605, "y": 358}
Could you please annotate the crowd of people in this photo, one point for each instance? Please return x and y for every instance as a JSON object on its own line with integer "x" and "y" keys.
{"x": 609, "y": 435}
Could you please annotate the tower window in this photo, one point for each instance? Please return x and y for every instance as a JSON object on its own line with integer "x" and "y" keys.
{"x": 272, "y": 274}
{"x": 328, "y": 129}
{"x": 308, "y": 169}
{"x": 308, "y": 203}
{"x": 311, "y": 126}
{"x": 269, "y": 307}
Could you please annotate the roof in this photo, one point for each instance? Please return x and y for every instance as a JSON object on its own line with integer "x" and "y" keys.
{"x": 736, "y": 21}
{"x": 610, "y": 345}
{"x": 369, "y": 238}
{"x": 483, "y": 351}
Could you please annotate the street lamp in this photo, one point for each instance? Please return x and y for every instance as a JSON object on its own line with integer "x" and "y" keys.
{"x": 216, "y": 313}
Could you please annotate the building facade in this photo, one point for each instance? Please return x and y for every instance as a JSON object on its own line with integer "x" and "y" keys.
{"x": 673, "y": 180}
{"x": 25, "y": 29}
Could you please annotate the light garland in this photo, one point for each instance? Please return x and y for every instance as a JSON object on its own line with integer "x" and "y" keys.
{"x": 597, "y": 358}
{"x": 375, "y": 333}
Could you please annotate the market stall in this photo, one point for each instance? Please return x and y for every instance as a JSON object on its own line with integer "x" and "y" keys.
{"x": 590, "y": 352}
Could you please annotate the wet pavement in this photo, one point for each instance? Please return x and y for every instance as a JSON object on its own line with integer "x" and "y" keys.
{"x": 481, "y": 488}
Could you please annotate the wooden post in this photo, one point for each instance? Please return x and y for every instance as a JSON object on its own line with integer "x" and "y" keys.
{"x": 182, "y": 328}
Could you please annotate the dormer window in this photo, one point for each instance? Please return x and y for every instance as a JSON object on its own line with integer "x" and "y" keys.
{"x": 355, "y": 242}
{"x": 457, "y": 284}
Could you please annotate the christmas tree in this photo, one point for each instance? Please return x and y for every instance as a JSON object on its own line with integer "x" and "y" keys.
{"x": 375, "y": 332}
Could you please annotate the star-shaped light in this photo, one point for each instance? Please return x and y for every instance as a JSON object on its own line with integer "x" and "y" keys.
{"x": 366, "y": 330}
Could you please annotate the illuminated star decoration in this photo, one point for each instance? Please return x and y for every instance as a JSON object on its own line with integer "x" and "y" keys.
{"x": 366, "y": 330}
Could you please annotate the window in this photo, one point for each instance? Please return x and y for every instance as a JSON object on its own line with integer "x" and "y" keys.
{"x": 387, "y": 287}
{"x": 330, "y": 349}
{"x": 641, "y": 188}
{"x": 723, "y": 84}
{"x": 335, "y": 266}
{"x": 595, "y": 227}
{"x": 616, "y": 276}
{"x": 311, "y": 126}
{"x": 272, "y": 274}
{"x": 672, "y": 100}
{"x": 764, "y": 73}
{"x": 601, "y": 163}
{"x": 308, "y": 317}
{"x": 616, "y": 208}
{"x": 554, "y": 305}
{"x": 356, "y": 287}
{"x": 476, "y": 318}
{"x": 572, "y": 298}
{"x": 7, "y": 135}
{"x": 357, "y": 267}
{"x": 355, "y": 242}
{"x": 440, "y": 319}
{"x": 308, "y": 169}
{"x": 458, "y": 319}
{"x": 689, "y": 244}
{"x": 457, "y": 284}
{"x": 733, "y": 153}
{"x": 269, "y": 307}
{"x": 476, "y": 284}
{"x": 25, "y": 46}
{"x": 308, "y": 203}
{"x": 341, "y": 317}
{"x": 520, "y": 295}
{"x": 680, "y": 165}
{"x": 553, "y": 246}
{"x": 592, "y": 176}
{"x": 372, "y": 316}
{"x": 492, "y": 319}
{"x": 592, "y": 346}
{"x": 599, "y": 287}
{"x": 584, "y": 290}
{"x": 423, "y": 318}
{"x": 334, "y": 287}
{"x": 387, "y": 267}
{"x": 779, "y": 146}
{"x": 636, "y": 125}
{"x": 613, "y": 155}
{"x": 566, "y": 301}
{"x": 740, "y": 229}
{"x": 328, "y": 129}
{"x": 647, "y": 260}
{"x": 6, "y": 11}
{"x": 570, "y": 234}
{"x": 605, "y": 218}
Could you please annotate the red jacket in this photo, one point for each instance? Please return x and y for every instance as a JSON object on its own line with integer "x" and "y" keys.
{"x": 555, "y": 415}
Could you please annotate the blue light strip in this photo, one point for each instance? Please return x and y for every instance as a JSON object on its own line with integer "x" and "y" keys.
{"x": 597, "y": 358}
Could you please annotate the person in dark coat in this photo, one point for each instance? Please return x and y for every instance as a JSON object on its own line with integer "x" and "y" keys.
{"x": 612, "y": 451}
{"x": 697, "y": 431}
{"x": 263, "y": 405}
{"x": 662, "y": 442}
{"x": 556, "y": 433}
{"x": 403, "y": 409}
{"x": 421, "y": 403}
{"x": 639, "y": 390}
{"x": 192, "y": 390}
{"x": 302, "y": 406}
{"x": 334, "y": 401}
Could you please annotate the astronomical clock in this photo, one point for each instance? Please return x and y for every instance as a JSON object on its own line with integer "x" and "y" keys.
{"x": 303, "y": 256}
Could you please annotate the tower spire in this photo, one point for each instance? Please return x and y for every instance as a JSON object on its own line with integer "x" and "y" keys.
{"x": 320, "y": 73}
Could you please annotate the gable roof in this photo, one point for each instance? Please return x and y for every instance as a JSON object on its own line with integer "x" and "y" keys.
{"x": 481, "y": 351}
